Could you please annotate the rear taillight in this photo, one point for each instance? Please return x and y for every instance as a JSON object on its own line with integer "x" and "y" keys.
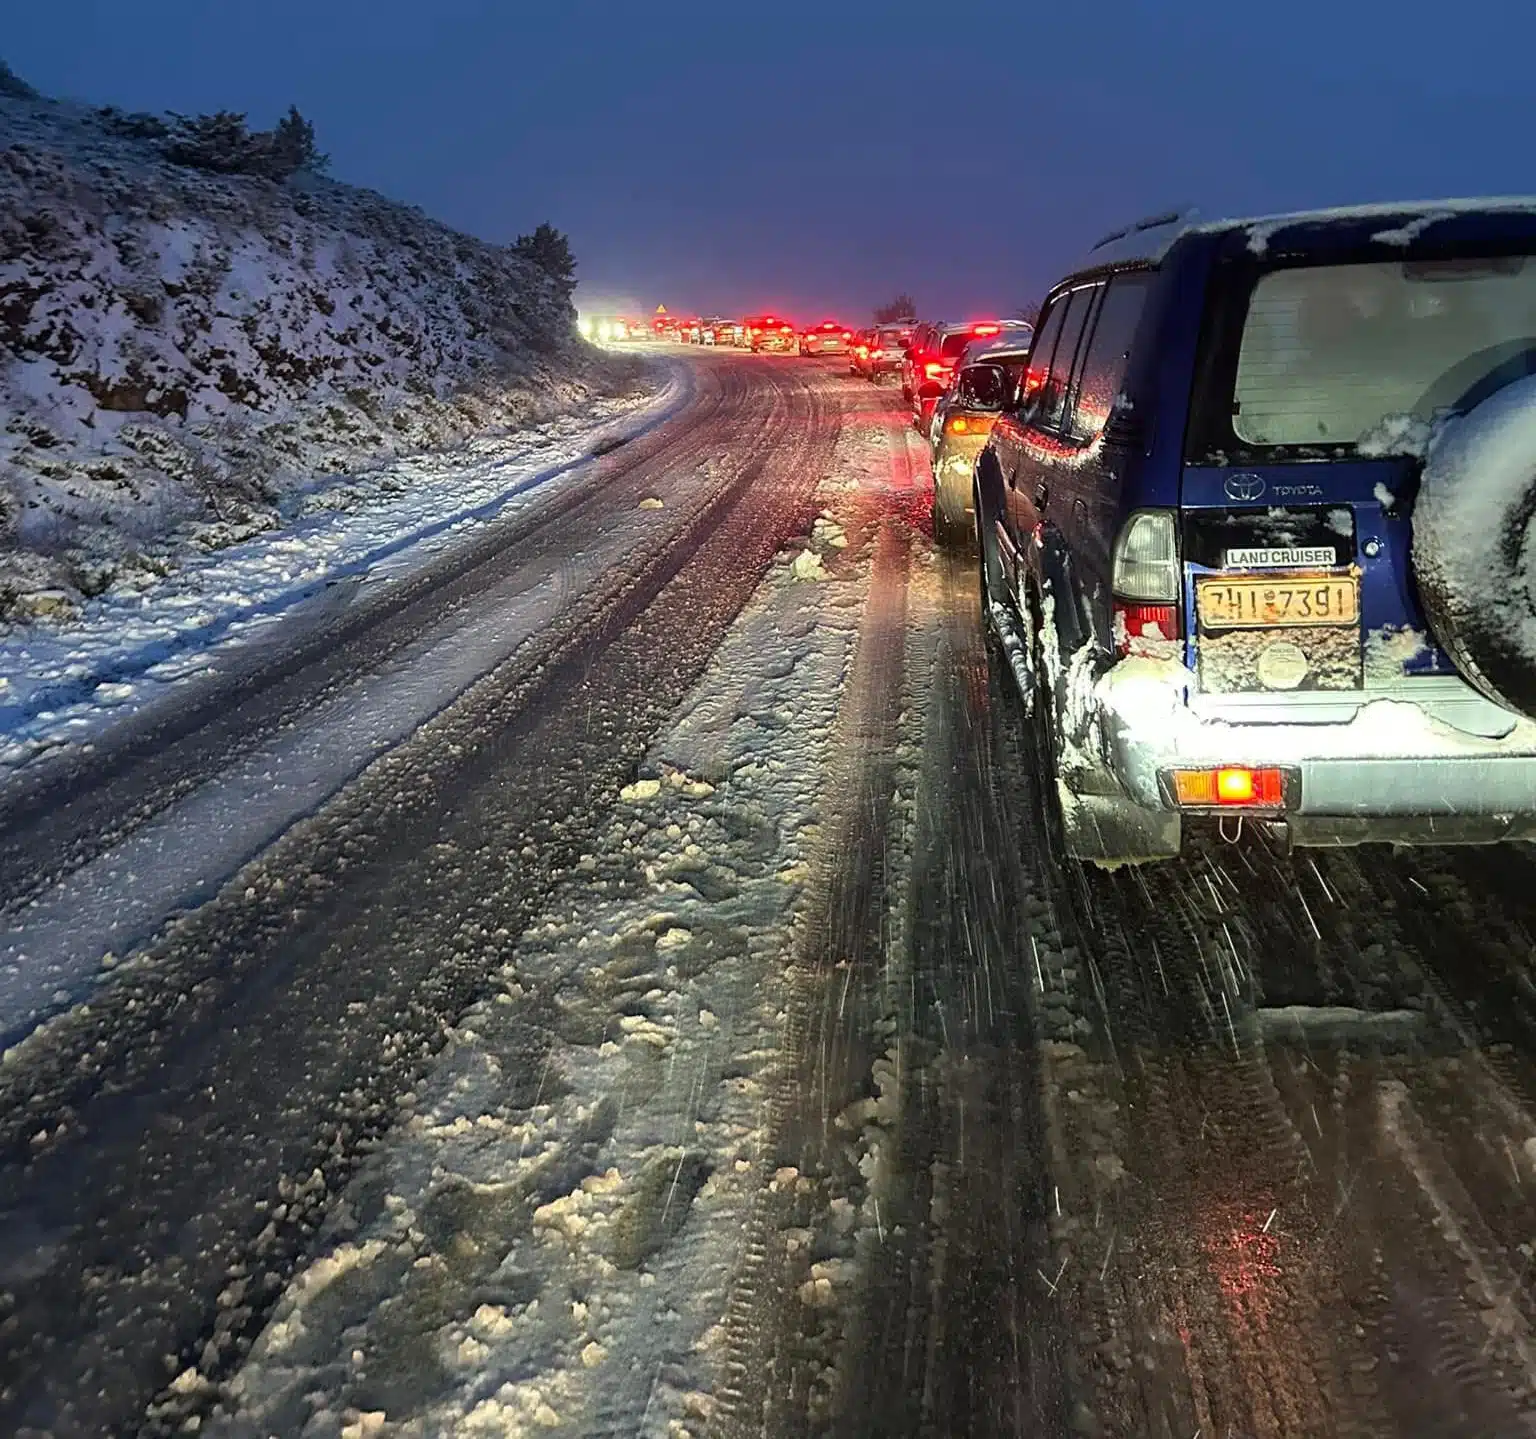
{"x": 873, "y": 354}
{"x": 785, "y": 329}
{"x": 1231, "y": 787}
{"x": 934, "y": 370}
{"x": 847, "y": 334}
{"x": 1144, "y": 579}
{"x": 1144, "y": 622}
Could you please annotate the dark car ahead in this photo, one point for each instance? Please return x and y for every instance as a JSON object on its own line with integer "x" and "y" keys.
{"x": 930, "y": 366}
{"x": 1237, "y": 578}
{"x": 827, "y": 338}
{"x": 880, "y": 351}
{"x": 925, "y": 339}
{"x": 770, "y": 332}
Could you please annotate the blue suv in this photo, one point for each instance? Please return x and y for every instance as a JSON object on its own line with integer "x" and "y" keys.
{"x": 1253, "y": 531}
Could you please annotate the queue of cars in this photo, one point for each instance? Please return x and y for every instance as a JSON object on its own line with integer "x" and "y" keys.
{"x": 1250, "y": 509}
{"x": 1250, "y": 519}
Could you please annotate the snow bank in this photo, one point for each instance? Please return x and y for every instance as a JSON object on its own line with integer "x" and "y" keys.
{"x": 66, "y": 680}
{"x": 182, "y": 349}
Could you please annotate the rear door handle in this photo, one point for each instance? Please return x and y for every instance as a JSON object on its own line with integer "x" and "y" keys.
{"x": 1042, "y": 494}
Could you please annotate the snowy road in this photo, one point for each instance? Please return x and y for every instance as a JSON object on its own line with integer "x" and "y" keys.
{"x": 662, "y": 1015}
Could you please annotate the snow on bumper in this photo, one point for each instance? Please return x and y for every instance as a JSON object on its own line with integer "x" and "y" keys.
{"x": 1391, "y": 760}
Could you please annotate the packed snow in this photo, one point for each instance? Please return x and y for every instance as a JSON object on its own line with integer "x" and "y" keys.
{"x": 550, "y": 1232}
{"x": 1395, "y": 435}
{"x": 52, "y": 951}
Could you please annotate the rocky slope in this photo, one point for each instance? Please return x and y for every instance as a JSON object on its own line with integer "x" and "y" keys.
{"x": 184, "y": 356}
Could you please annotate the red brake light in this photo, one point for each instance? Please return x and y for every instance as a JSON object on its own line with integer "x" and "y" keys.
{"x": 1231, "y": 786}
{"x": 986, "y": 329}
{"x": 935, "y": 370}
{"x": 847, "y": 334}
{"x": 1144, "y": 622}
{"x": 786, "y": 329}
{"x": 873, "y": 354}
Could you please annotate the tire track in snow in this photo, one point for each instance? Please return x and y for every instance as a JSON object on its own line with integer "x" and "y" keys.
{"x": 779, "y": 1344}
{"x": 59, "y": 813}
{"x": 231, "y": 1082}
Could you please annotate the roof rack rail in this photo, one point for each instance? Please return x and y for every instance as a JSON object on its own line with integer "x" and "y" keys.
{"x": 1152, "y": 222}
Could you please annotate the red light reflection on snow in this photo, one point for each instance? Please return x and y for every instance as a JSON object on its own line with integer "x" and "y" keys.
{"x": 1243, "y": 1247}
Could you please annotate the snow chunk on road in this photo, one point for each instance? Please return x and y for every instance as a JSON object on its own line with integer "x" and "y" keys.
{"x": 807, "y": 566}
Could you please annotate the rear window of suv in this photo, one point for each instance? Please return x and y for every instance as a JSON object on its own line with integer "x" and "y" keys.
{"x": 954, "y": 345}
{"x": 1351, "y": 355}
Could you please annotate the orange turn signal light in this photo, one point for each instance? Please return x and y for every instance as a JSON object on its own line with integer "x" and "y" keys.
{"x": 1231, "y": 786}
{"x": 969, "y": 424}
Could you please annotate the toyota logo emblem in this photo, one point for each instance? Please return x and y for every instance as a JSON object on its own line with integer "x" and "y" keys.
{"x": 1244, "y": 487}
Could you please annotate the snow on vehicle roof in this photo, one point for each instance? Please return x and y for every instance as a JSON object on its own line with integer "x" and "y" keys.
{"x": 1148, "y": 241}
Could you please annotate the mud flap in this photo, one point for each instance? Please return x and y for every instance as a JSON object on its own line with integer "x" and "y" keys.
{"x": 1111, "y": 830}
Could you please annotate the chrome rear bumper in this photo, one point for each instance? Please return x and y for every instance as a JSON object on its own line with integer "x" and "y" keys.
{"x": 1392, "y": 770}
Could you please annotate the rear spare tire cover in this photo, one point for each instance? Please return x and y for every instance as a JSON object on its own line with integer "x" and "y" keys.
{"x": 1474, "y": 550}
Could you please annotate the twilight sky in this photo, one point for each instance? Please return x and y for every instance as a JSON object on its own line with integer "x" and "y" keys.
{"x": 818, "y": 155}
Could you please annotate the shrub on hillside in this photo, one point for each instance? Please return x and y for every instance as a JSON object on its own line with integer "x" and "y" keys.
{"x": 135, "y": 125}
{"x": 223, "y": 144}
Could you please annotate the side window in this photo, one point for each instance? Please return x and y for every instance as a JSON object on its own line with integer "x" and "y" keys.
{"x": 1053, "y": 397}
{"x": 1109, "y": 351}
{"x": 1040, "y": 354}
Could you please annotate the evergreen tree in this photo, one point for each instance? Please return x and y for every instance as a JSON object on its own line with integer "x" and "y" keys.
{"x": 291, "y": 147}
{"x": 903, "y": 307}
{"x": 551, "y": 252}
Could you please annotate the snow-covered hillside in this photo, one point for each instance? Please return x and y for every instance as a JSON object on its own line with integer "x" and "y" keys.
{"x": 186, "y": 356}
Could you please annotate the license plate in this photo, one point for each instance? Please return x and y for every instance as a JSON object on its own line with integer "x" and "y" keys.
{"x": 1225, "y": 604}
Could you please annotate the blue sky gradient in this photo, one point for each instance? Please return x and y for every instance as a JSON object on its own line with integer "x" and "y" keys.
{"x": 819, "y": 156}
